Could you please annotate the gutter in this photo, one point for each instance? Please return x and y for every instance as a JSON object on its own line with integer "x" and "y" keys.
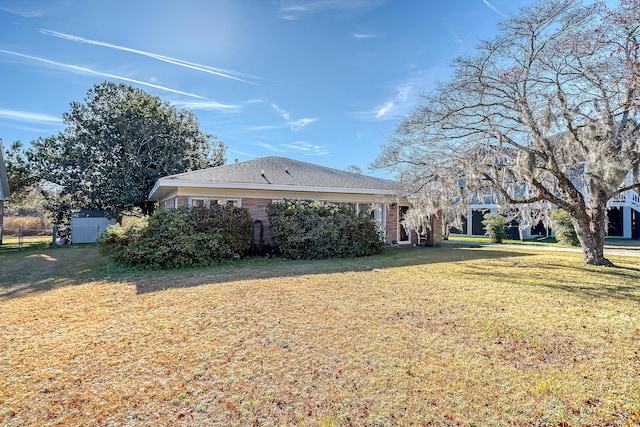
{"x": 250, "y": 186}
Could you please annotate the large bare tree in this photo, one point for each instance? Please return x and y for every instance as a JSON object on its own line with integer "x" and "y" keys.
{"x": 545, "y": 114}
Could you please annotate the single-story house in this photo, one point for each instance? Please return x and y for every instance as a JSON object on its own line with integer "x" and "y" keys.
{"x": 256, "y": 183}
{"x": 4, "y": 187}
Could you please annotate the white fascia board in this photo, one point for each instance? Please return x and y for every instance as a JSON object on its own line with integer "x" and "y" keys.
{"x": 154, "y": 189}
{"x": 268, "y": 187}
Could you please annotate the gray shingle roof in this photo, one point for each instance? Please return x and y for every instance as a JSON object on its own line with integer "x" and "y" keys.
{"x": 282, "y": 171}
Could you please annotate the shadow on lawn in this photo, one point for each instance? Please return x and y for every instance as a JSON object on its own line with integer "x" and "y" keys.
{"x": 31, "y": 271}
{"x": 268, "y": 268}
{"x": 621, "y": 282}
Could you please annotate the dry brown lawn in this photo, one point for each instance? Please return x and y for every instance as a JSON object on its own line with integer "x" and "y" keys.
{"x": 418, "y": 337}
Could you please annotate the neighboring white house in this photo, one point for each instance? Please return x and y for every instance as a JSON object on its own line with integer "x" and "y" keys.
{"x": 623, "y": 216}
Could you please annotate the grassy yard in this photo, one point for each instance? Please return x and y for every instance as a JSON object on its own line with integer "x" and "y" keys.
{"x": 451, "y": 336}
{"x": 610, "y": 242}
{"x": 29, "y": 242}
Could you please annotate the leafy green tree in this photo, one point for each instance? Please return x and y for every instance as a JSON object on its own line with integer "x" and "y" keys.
{"x": 354, "y": 169}
{"x": 22, "y": 179}
{"x": 117, "y": 144}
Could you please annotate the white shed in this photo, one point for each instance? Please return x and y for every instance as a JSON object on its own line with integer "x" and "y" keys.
{"x": 88, "y": 225}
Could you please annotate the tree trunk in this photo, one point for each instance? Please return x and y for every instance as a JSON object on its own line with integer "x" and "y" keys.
{"x": 590, "y": 229}
{"x": 1, "y": 220}
{"x": 148, "y": 208}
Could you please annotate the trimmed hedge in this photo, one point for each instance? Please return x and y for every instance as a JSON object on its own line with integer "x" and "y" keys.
{"x": 180, "y": 237}
{"x": 305, "y": 229}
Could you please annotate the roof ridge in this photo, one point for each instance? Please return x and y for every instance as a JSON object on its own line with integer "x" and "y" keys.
{"x": 265, "y": 159}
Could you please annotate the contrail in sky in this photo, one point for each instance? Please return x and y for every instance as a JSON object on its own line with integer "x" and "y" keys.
{"x": 29, "y": 117}
{"x": 98, "y": 73}
{"x": 492, "y": 7}
{"x": 175, "y": 61}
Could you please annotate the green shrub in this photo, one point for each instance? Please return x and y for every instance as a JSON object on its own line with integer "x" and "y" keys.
{"x": 116, "y": 239}
{"x": 173, "y": 238}
{"x": 304, "y": 229}
{"x": 563, "y": 228}
{"x": 233, "y": 223}
{"x": 494, "y": 224}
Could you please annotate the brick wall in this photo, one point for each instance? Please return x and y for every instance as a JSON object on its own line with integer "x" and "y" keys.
{"x": 434, "y": 236}
{"x": 392, "y": 223}
{"x": 257, "y": 209}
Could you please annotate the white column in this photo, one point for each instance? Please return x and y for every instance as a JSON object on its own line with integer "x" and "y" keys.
{"x": 626, "y": 221}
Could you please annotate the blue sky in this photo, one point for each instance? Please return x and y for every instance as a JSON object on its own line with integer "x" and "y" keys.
{"x": 323, "y": 81}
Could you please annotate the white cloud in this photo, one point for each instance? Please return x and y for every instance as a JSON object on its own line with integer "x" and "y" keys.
{"x": 25, "y": 12}
{"x": 295, "y": 125}
{"x": 308, "y": 149}
{"x": 384, "y": 109}
{"x": 299, "y": 124}
{"x": 264, "y": 127}
{"x": 397, "y": 104}
{"x": 456, "y": 39}
{"x": 282, "y": 112}
{"x": 406, "y": 94}
{"x": 242, "y": 153}
{"x": 364, "y": 36}
{"x": 296, "y": 9}
{"x": 268, "y": 147}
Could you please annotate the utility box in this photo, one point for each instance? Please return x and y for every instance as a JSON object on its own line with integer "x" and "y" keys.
{"x": 88, "y": 225}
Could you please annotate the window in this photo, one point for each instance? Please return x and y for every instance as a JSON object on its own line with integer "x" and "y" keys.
{"x": 375, "y": 211}
{"x": 212, "y": 202}
{"x": 197, "y": 203}
{"x": 351, "y": 206}
{"x": 378, "y": 212}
